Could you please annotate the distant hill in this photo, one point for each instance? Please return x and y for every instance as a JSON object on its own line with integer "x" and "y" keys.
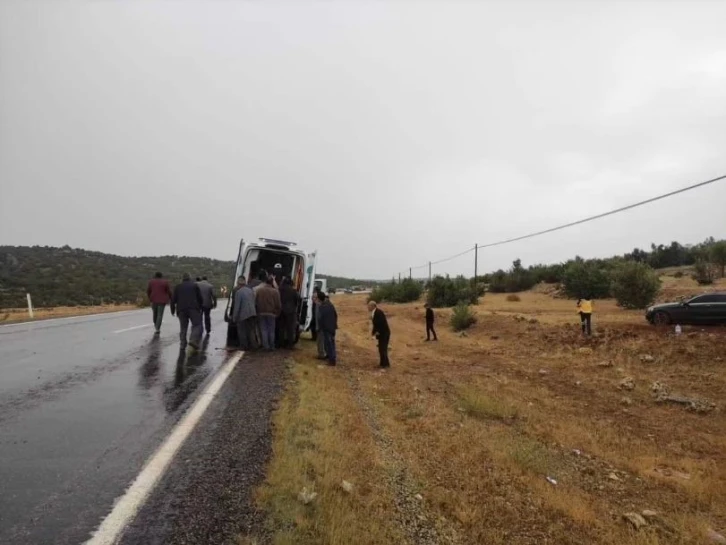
{"x": 68, "y": 276}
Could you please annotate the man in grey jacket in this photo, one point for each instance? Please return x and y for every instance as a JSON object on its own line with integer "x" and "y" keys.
{"x": 209, "y": 301}
{"x": 244, "y": 315}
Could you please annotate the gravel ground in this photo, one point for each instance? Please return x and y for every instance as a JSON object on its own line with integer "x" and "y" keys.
{"x": 205, "y": 496}
{"x": 419, "y": 526}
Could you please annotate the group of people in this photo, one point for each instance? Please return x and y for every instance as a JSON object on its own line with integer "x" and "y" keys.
{"x": 265, "y": 312}
{"x": 191, "y": 301}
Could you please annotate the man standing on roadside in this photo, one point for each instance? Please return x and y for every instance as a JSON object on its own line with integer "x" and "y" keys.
{"x": 381, "y": 331}
{"x": 159, "y": 293}
{"x": 209, "y": 301}
{"x": 268, "y": 303}
{"x": 327, "y": 326}
{"x": 186, "y": 302}
{"x": 244, "y": 315}
{"x": 318, "y": 336}
{"x": 430, "y": 323}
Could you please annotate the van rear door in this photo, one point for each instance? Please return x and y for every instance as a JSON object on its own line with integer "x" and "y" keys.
{"x": 232, "y": 339}
{"x": 309, "y": 284}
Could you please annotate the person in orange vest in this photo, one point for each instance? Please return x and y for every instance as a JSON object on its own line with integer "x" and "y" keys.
{"x": 584, "y": 308}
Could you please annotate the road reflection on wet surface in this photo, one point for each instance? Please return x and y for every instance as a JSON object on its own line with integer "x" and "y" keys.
{"x": 82, "y": 404}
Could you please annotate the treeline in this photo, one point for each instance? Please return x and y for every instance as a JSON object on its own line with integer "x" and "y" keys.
{"x": 69, "y": 277}
{"x": 74, "y": 277}
{"x": 580, "y": 275}
{"x": 630, "y": 278}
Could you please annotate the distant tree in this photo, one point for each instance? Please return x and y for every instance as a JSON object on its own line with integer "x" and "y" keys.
{"x": 445, "y": 291}
{"x": 718, "y": 256}
{"x": 703, "y": 273}
{"x": 635, "y": 285}
{"x": 586, "y": 279}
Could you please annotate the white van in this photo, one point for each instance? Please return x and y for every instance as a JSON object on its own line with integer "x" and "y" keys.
{"x": 296, "y": 265}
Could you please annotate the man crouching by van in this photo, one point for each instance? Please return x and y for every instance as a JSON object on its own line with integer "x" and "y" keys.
{"x": 244, "y": 315}
{"x": 327, "y": 325}
{"x": 269, "y": 307}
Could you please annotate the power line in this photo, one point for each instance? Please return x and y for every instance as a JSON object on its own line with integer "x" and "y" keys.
{"x": 605, "y": 214}
{"x": 572, "y": 224}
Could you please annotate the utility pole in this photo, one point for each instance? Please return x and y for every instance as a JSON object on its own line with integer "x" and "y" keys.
{"x": 429, "y": 272}
{"x": 476, "y": 261}
{"x": 399, "y": 278}
{"x": 30, "y": 306}
{"x": 410, "y": 273}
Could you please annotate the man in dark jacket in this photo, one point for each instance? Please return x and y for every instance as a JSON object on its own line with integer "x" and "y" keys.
{"x": 159, "y": 293}
{"x": 209, "y": 301}
{"x": 290, "y": 299}
{"x": 430, "y": 323}
{"x": 381, "y": 331}
{"x": 327, "y": 326}
{"x": 186, "y": 302}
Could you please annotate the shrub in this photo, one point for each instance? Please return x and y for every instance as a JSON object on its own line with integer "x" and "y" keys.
{"x": 679, "y": 274}
{"x": 586, "y": 279}
{"x": 463, "y": 318}
{"x": 635, "y": 285}
{"x": 703, "y": 273}
{"x": 717, "y": 253}
{"x": 406, "y": 291}
{"x": 447, "y": 292}
{"x": 513, "y": 298}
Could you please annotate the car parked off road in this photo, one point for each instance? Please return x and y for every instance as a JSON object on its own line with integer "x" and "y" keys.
{"x": 706, "y": 309}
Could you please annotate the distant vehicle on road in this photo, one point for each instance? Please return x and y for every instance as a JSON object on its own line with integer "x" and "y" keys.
{"x": 706, "y": 309}
{"x": 296, "y": 265}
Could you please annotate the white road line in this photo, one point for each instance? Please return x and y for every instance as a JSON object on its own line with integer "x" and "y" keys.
{"x": 128, "y": 505}
{"x": 46, "y": 320}
{"x": 131, "y": 328}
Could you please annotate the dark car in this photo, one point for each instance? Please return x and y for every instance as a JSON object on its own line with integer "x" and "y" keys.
{"x": 706, "y": 309}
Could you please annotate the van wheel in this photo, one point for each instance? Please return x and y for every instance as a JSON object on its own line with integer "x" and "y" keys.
{"x": 661, "y": 318}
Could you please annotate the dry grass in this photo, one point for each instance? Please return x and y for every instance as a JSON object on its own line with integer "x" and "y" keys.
{"x": 13, "y": 315}
{"x": 321, "y": 440}
{"x": 482, "y": 420}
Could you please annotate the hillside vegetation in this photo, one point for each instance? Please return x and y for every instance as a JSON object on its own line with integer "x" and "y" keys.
{"x": 74, "y": 277}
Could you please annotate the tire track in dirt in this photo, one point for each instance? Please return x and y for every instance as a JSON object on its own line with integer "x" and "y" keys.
{"x": 411, "y": 513}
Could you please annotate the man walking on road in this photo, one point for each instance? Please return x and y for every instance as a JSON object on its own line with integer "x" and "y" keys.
{"x": 381, "y": 331}
{"x": 430, "y": 323}
{"x": 159, "y": 293}
{"x": 186, "y": 302}
{"x": 327, "y": 326}
{"x": 290, "y": 299}
{"x": 268, "y": 303}
{"x": 209, "y": 301}
{"x": 244, "y": 315}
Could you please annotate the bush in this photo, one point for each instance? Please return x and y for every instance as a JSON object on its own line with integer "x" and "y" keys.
{"x": 586, "y": 279}
{"x": 448, "y": 292}
{"x": 513, "y": 298}
{"x": 679, "y": 274}
{"x": 635, "y": 285}
{"x": 406, "y": 291}
{"x": 717, "y": 254}
{"x": 463, "y": 318}
{"x": 703, "y": 273}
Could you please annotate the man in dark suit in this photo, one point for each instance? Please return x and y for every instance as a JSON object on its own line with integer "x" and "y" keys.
{"x": 430, "y": 323}
{"x": 186, "y": 303}
{"x": 381, "y": 331}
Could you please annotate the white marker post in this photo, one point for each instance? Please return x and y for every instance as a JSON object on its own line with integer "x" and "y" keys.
{"x": 30, "y": 306}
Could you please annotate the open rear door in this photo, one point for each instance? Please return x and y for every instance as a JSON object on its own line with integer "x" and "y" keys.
{"x": 309, "y": 285}
{"x": 232, "y": 339}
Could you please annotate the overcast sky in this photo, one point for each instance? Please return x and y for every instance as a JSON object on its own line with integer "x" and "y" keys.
{"x": 384, "y": 134}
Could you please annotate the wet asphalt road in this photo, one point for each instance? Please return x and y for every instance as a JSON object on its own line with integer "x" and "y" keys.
{"x": 85, "y": 401}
